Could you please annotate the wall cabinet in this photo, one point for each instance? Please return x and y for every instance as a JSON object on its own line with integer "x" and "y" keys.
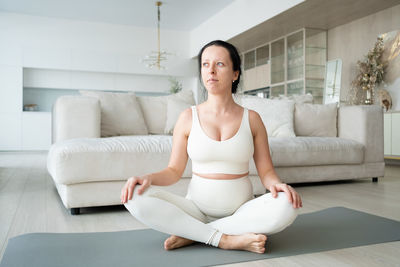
{"x": 36, "y": 130}
{"x": 10, "y": 107}
{"x": 292, "y": 64}
{"x": 256, "y": 68}
{"x": 10, "y": 86}
{"x": 392, "y": 134}
{"x": 10, "y": 131}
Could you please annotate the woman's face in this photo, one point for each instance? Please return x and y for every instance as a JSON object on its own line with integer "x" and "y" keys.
{"x": 217, "y": 70}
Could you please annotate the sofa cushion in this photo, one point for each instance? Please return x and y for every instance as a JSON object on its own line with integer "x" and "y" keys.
{"x": 155, "y": 109}
{"x": 108, "y": 159}
{"x": 75, "y": 117}
{"x": 277, "y": 115}
{"x": 174, "y": 109}
{"x": 120, "y": 113}
{"x": 315, "y": 120}
{"x": 312, "y": 151}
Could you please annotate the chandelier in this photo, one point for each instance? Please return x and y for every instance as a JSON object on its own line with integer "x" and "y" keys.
{"x": 155, "y": 58}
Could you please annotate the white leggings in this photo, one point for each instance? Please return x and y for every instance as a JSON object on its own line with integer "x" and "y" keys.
{"x": 212, "y": 208}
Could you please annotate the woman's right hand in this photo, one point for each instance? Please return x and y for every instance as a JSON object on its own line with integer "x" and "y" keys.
{"x": 127, "y": 190}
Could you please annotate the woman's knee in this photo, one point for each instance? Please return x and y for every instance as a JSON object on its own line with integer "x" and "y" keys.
{"x": 285, "y": 213}
{"x": 138, "y": 201}
{"x": 278, "y": 212}
{"x": 284, "y": 205}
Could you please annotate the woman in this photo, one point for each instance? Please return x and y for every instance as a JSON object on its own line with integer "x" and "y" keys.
{"x": 220, "y": 137}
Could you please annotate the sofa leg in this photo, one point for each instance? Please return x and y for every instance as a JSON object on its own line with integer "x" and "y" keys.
{"x": 374, "y": 179}
{"x": 75, "y": 211}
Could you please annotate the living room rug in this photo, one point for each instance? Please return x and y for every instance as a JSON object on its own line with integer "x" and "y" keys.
{"x": 328, "y": 229}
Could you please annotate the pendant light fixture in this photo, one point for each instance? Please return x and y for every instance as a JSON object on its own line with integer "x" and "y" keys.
{"x": 155, "y": 58}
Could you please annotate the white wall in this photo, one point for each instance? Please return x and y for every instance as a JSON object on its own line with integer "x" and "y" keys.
{"x": 236, "y": 18}
{"x": 49, "y": 43}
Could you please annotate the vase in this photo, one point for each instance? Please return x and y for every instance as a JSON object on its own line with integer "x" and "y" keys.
{"x": 368, "y": 97}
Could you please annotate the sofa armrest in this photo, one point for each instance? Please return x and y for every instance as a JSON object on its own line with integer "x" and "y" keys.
{"x": 365, "y": 125}
{"x": 75, "y": 117}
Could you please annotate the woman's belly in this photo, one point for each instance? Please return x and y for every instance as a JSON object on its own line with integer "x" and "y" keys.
{"x": 221, "y": 176}
{"x": 219, "y": 197}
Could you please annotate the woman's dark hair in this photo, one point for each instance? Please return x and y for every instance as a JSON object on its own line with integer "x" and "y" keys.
{"x": 235, "y": 57}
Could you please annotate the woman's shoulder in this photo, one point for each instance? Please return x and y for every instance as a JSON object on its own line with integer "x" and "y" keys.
{"x": 184, "y": 121}
{"x": 255, "y": 121}
{"x": 253, "y": 115}
{"x": 186, "y": 113}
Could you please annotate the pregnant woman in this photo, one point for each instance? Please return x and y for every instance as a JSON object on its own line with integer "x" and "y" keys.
{"x": 220, "y": 137}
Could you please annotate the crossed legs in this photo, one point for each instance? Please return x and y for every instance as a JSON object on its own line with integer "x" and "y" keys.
{"x": 181, "y": 218}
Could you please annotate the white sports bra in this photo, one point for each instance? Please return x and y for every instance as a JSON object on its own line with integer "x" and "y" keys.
{"x": 229, "y": 156}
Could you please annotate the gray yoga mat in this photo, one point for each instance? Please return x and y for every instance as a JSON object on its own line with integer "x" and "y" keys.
{"x": 332, "y": 228}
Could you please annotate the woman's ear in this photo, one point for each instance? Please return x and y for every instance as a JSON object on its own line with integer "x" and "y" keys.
{"x": 235, "y": 75}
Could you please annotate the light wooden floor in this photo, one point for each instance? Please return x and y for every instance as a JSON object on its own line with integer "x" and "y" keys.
{"x": 29, "y": 203}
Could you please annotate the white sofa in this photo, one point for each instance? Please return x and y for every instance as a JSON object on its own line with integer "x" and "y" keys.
{"x": 308, "y": 143}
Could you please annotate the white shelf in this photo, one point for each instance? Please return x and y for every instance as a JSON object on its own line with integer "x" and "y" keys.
{"x": 44, "y": 97}
{"x": 298, "y": 56}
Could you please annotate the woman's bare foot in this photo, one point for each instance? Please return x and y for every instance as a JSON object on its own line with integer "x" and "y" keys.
{"x": 174, "y": 242}
{"x": 250, "y": 242}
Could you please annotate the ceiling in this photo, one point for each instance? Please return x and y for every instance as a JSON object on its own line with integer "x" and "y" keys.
{"x": 182, "y": 15}
{"x": 185, "y": 15}
{"x": 319, "y": 14}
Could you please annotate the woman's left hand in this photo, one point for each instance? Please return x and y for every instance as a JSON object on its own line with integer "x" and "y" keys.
{"x": 293, "y": 196}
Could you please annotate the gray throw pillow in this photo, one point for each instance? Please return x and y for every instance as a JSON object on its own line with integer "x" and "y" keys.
{"x": 315, "y": 120}
{"x": 120, "y": 113}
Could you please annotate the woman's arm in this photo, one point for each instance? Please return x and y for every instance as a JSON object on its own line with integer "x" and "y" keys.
{"x": 262, "y": 157}
{"x": 179, "y": 157}
{"x": 263, "y": 161}
{"x": 177, "y": 162}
